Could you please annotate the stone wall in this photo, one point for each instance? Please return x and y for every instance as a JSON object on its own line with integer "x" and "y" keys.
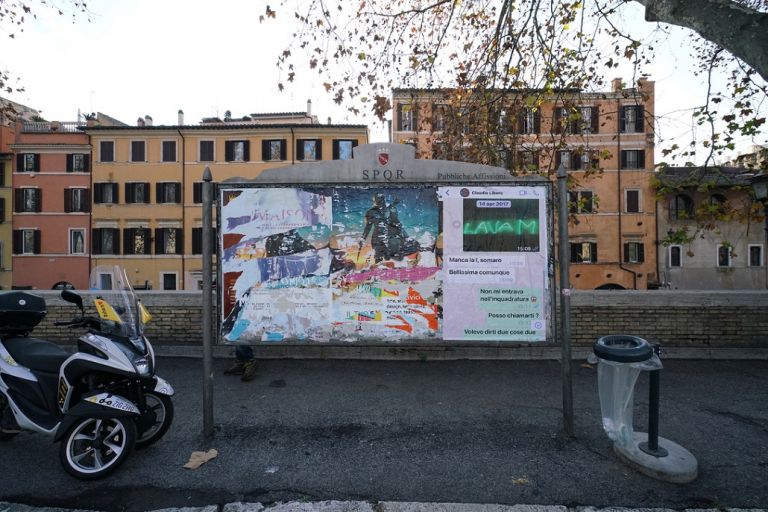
{"x": 685, "y": 319}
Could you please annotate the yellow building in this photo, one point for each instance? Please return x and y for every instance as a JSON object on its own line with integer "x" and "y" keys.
{"x": 604, "y": 139}
{"x": 147, "y": 183}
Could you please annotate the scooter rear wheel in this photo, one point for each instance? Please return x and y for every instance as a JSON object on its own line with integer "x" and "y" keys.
{"x": 92, "y": 448}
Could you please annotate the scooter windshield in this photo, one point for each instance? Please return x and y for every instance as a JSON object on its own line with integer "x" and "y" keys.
{"x": 110, "y": 284}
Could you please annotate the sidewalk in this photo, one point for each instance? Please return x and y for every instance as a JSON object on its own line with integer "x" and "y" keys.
{"x": 416, "y": 435}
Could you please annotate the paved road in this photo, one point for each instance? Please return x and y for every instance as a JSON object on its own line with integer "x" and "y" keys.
{"x": 460, "y": 431}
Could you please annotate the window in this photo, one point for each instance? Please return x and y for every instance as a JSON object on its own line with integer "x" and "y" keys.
{"x": 406, "y": 117}
{"x": 588, "y": 121}
{"x": 78, "y": 162}
{"x": 168, "y": 241}
{"x": 631, "y": 119}
{"x": 723, "y": 255}
{"x": 581, "y": 201}
{"x": 105, "y": 281}
{"x": 168, "y": 280}
{"x": 77, "y": 200}
{"x": 2, "y": 209}
{"x": 28, "y": 162}
{"x": 77, "y": 241}
{"x": 28, "y": 200}
{"x": 577, "y": 160}
{"x": 106, "y": 193}
{"x": 634, "y": 252}
{"x": 309, "y": 149}
{"x": 633, "y": 159}
{"x": 342, "y": 149}
{"x": 755, "y": 255}
{"x": 137, "y": 192}
{"x": 583, "y": 252}
{"x": 528, "y": 160}
{"x": 26, "y": 241}
{"x": 237, "y": 151}
{"x": 439, "y": 113}
{"x": 681, "y": 207}
{"x": 563, "y": 158}
{"x": 169, "y": 151}
{"x": 675, "y": 256}
{"x": 136, "y": 241}
{"x": 528, "y": 121}
{"x": 206, "y": 151}
{"x": 138, "y": 151}
{"x": 273, "y": 150}
{"x": 105, "y": 241}
{"x": 632, "y": 200}
{"x": 107, "y": 151}
{"x": 197, "y": 241}
{"x": 168, "y": 192}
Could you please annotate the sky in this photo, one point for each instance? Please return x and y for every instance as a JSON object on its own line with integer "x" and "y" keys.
{"x": 132, "y": 58}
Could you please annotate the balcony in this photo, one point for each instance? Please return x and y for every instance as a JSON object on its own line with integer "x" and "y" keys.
{"x": 51, "y": 127}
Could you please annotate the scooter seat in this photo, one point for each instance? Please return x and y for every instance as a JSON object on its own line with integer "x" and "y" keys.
{"x": 36, "y": 354}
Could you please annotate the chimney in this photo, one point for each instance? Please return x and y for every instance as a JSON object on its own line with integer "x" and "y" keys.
{"x": 309, "y": 108}
{"x": 148, "y": 120}
{"x": 140, "y": 122}
{"x": 329, "y": 119}
{"x": 616, "y": 85}
{"x": 181, "y": 117}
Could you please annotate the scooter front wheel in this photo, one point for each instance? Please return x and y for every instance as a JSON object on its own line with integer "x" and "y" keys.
{"x": 93, "y": 448}
{"x": 156, "y": 420}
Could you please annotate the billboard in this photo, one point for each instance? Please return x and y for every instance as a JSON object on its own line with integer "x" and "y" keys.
{"x": 384, "y": 264}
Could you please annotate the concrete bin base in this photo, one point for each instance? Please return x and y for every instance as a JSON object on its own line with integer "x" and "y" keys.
{"x": 679, "y": 466}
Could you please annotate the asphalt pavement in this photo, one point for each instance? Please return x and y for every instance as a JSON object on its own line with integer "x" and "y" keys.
{"x": 377, "y": 433}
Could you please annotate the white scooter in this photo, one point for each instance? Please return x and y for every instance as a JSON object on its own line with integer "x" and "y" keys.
{"x": 99, "y": 402}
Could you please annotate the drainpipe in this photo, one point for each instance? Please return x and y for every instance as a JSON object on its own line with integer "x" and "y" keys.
{"x": 619, "y": 198}
{"x": 183, "y": 205}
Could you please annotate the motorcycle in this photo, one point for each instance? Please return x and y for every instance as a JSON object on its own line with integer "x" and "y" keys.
{"x": 101, "y": 401}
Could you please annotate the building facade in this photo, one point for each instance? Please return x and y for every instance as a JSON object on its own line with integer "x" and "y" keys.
{"x": 712, "y": 229}
{"x": 605, "y": 141}
{"x": 51, "y": 205}
{"x": 147, "y": 184}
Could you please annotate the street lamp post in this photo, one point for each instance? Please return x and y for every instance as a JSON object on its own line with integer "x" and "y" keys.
{"x": 760, "y": 187}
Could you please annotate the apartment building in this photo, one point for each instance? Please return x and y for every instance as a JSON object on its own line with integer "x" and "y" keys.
{"x": 147, "y": 183}
{"x": 713, "y": 235}
{"x": 604, "y": 139}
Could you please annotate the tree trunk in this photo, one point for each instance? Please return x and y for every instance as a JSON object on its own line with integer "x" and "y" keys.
{"x": 740, "y": 30}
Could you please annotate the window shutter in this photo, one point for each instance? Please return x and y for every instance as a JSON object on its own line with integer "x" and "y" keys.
{"x": 87, "y": 163}
{"x": 87, "y": 201}
{"x": 283, "y": 150}
{"x": 115, "y": 240}
{"x": 37, "y": 163}
{"x": 20, "y": 162}
{"x": 558, "y": 159}
{"x": 18, "y": 200}
{"x": 17, "y": 236}
{"x": 640, "y": 253}
{"x": 197, "y": 240}
{"x": 70, "y": 166}
{"x": 159, "y": 239}
{"x": 2, "y": 209}
{"x": 626, "y": 253}
{"x": 246, "y": 151}
{"x": 520, "y": 121}
{"x": 641, "y": 159}
{"x": 68, "y": 200}
{"x": 595, "y": 122}
{"x": 197, "y": 192}
{"x": 623, "y": 159}
{"x": 229, "y": 151}
{"x": 558, "y": 118}
{"x": 129, "y": 193}
{"x": 128, "y": 240}
{"x": 536, "y": 121}
{"x": 300, "y": 149}
{"x": 98, "y": 192}
{"x": 593, "y": 252}
{"x": 146, "y": 196}
{"x": 623, "y": 119}
{"x": 319, "y": 145}
{"x": 159, "y": 192}
{"x": 38, "y": 199}
{"x": 115, "y": 192}
{"x": 37, "y": 249}
{"x": 214, "y": 241}
{"x": 265, "y": 153}
{"x": 639, "y": 119}
{"x": 335, "y": 150}
{"x": 575, "y": 253}
{"x": 177, "y": 192}
{"x": 96, "y": 241}
{"x": 179, "y": 241}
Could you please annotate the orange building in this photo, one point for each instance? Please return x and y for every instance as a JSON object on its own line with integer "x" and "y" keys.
{"x": 604, "y": 139}
{"x": 147, "y": 183}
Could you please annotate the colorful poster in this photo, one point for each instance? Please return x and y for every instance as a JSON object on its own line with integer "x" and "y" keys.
{"x": 495, "y": 263}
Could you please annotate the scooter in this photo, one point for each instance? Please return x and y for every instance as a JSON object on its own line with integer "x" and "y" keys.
{"x": 100, "y": 401}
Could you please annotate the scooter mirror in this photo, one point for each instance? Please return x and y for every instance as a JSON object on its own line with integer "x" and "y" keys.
{"x": 72, "y": 297}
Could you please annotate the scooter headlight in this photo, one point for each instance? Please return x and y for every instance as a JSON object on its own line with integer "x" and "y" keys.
{"x": 142, "y": 365}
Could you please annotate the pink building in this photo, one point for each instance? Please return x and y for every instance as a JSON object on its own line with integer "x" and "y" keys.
{"x": 51, "y": 205}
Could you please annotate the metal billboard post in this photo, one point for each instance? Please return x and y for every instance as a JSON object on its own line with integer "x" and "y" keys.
{"x": 207, "y": 302}
{"x": 565, "y": 299}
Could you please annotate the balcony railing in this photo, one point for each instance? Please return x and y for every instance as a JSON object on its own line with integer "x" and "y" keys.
{"x": 51, "y": 127}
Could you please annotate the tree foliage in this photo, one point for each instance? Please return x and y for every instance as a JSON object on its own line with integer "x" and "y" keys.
{"x": 484, "y": 49}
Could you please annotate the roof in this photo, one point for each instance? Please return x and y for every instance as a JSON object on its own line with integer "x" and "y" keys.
{"x": 224, "y": 126}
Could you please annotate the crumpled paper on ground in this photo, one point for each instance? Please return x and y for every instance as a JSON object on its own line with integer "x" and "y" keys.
{"x": 197, "y": 459}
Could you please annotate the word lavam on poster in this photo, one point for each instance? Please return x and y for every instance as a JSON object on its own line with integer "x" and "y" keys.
{"x": 368, "y": 264}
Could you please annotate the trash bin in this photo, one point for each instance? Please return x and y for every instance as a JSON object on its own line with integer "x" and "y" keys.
{"x": 620, "y": 360}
